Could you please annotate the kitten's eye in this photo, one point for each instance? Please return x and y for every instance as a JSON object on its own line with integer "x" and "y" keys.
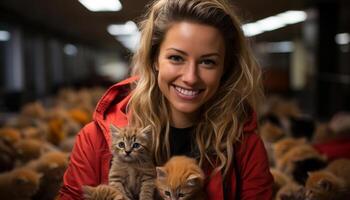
{"x": 167, "y": 193}
{"x": 136, "y": 145}
{"x": 121, "y": 145}
{"x": 181, "y": 195}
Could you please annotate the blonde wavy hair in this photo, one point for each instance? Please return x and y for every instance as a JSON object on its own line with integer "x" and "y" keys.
{"x": 224, "y": 115}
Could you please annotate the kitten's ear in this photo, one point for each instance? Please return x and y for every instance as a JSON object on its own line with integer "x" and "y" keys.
{"x": 114, "y": 129}
{"x": 147, "y": 129}
{"x": 194, "y": 180}
{"x": 161, "y": 173}
{"x": 325, "y": 184}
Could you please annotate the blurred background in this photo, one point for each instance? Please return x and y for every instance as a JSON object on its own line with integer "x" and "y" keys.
{"x": 57, "y": 57}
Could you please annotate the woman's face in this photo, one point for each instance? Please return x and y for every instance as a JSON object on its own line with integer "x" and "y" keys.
{"x": 190, "y": 64}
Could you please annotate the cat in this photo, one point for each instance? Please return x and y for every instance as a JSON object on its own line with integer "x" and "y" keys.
{"x": 331, "y": 183}
{"x": 279, "y": 180}
{"x": 28, "y": 149}
{"x": 302, "y": 167}
{"x": 180, "y": 178}
{"x": 291, "y": 191}
{"x": 287, "y": 163}
{"x": 132, "y": 171}
{"x": 52, "y": 165}
{"x": 282, "y": 146}
{"x": 101, "y": 192}
{"x": 19, "y": 184}
{"x": 270, "y": 133}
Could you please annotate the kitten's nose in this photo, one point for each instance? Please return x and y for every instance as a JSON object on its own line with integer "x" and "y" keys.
{"x": 127, "y": 152}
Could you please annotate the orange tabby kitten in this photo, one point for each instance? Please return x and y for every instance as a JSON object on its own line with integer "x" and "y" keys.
{"x": 279, "y": 180}
{"x": 330, "y": 183}
{"x": 19, "y": 184}
{"x": 132, "y": 171}
{"x": 282, "y": 146}
{"x": 291, "y": 191}
{"x": 287, "y": 163}
{"x": 180, "y": 178}
{"x": 52, "y": 165}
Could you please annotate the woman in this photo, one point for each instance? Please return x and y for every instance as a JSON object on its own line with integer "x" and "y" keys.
{"x": 197, "y": 85}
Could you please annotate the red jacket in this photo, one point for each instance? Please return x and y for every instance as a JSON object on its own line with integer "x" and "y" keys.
{"x": 91, "y": 156}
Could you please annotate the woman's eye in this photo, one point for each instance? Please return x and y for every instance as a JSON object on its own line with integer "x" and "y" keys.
{"x": 175, "y": 58}
{"x": 136, "y": 145}
{"x": 181, "y": 195}
{"x": 208, "y": 62}
{"x": 121, "y": 145}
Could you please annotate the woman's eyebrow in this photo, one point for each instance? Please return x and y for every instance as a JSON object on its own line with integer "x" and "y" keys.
{"x": 178, "y": 50}
{"x": 205, "y": 55}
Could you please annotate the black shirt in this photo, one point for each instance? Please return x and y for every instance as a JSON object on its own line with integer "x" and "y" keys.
{"x": 182, "y": 141}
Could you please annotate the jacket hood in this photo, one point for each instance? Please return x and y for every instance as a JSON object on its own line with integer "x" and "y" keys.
{"x": 111, "y": 108}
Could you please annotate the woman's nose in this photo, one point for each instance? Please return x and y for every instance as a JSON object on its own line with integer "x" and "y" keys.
{"x": 190, "y": 74}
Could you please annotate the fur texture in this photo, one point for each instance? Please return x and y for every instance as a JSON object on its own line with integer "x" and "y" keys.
{"x": 291, "y": 191}
{"x": 19, "y": 184}
{"x": 279, "y": 180}
{"x": 132, "y": 171}
{"x": 287, "y": 163}
{"x": 52, "y": 165}
{"x": 101, "y": 192}
{"x": 282, "y": 146}
{"x": 330, "y": 183}
{"x": 180, "y": 178}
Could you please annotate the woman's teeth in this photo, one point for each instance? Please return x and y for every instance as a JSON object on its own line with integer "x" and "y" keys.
{"x": 186, "y": 91}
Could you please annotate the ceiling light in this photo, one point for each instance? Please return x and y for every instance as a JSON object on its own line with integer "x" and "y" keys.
{"x": 292, "y": 16}
{"x": 251, "y": 29}
{"x": 270, "y": 23}
{"x": 274, "y": 22}
{"x": 102, "y": 5}
{"x": 4, "y": 36}
{"x": 342, "y": 38}
{"x": 122, "y": 29}
{"x": 70, "y": 49}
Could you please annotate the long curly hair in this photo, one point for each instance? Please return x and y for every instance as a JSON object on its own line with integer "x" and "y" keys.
{"x": 223, "y": 116}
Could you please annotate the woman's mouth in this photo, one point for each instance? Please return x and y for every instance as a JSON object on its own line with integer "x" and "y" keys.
{"x": 187, "y": 93}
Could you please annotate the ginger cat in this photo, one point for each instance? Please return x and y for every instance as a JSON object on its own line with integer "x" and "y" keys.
{"x": 330, "y": 183}
{"x": 19, "y": 184}
{"x": 180, "y": 178}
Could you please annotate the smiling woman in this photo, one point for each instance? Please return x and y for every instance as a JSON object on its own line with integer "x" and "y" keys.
{"x": 190, "y": 65}
{"x": 196, "y": 86}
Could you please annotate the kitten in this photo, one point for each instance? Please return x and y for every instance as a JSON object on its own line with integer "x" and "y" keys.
{"x": 291, "y": 191}
{"x": 180, "y": 178}
{"x": 302, "y": 167}
{"x": 270, "y": 133}
{"x": 324, "y": 185}
{"x": 28, "y": 149}
{"x": 282, "y": 146}
{"x": 287, "y": 163}
{"x": 101, "y": 192}
{"x": 52, "y": 165}
{"x": 19, "y": 184}
{"x": 132, "y": 171}
{"x": 10, "y": 135}
{"x": 331, "y": 183}
{"x": 279, "y": 180}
